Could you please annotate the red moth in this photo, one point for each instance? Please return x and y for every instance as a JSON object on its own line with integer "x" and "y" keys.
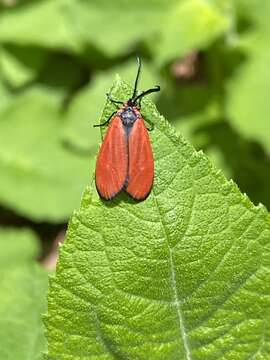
{"x": 125, "y": 160}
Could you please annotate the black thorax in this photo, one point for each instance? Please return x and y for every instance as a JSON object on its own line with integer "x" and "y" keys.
{"x": 128, "y": 116}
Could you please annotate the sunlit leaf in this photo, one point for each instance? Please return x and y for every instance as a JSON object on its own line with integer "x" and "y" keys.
{"x": 181, "y": 275}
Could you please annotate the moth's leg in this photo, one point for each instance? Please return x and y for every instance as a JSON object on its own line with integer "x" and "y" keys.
{"x": 107, "y": 121}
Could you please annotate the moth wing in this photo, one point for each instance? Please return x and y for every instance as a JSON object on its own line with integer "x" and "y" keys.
{"x": 112, "y": 161}
{"x": 141, "y": 162}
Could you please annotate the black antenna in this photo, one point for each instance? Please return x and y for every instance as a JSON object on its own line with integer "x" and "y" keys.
{"x": 149, "y": 91}
{"x": 137, "y": 77}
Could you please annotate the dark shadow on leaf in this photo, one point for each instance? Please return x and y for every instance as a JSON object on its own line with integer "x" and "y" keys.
{"x": 122, "y": 197}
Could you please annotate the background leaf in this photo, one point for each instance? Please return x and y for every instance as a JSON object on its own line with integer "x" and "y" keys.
{"x": 119, "y": 26}
{"x": 18, "y": 66}
{"x": 189, "y": 25}
{"x": 41, "y": 23}
{"x": 181, "y": 275}
{"x": 23, "y": 286}
{"x": 248, "y": 109}
{"x": 39, "y": 163}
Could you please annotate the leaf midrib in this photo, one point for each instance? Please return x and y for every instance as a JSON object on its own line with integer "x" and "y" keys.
{"x": 176, "y": 301}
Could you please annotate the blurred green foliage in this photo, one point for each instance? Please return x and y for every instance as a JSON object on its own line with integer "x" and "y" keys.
{"x": 23, "y": 286}
{"x": 58, "y": 59}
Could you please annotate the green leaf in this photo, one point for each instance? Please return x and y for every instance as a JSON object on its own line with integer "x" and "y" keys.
{"x": 169, "y": 27}
{"x": 250, "y": 168}
{"x": 190, "y": 25}
{"x": 181, "y": 275}
{"x": 86, "y": 107}
{"x": 116, "y": 27}
{"x": 113, "y": 29}
{"x": 5, "y": 95}
{"x": 23, "y": 285}
{"x": 41, "y": 177}
{"x": 20, "y": 66}
{"x": 189, "y": 108}
{"x": 42, "y": 23}
{"x": 248, "y": 108}
{"x": 247, "y": 105}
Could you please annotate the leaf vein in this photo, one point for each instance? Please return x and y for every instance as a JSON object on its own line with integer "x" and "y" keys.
{"x": 177, "y": 301}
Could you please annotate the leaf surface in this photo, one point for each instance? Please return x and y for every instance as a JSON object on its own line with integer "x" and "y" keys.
{"x": 181, "y": 275}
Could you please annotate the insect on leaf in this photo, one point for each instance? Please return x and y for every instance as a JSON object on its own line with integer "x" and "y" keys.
{"x": 181, "y": 275}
